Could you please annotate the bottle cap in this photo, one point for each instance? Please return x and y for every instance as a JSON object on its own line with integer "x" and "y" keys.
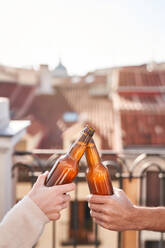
{"x": 89, "y": 130}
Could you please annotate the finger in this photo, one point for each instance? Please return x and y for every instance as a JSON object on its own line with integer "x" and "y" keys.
{"x": 118, "y": 193}
{"x": 54, "y": 216}
{"x": 60, "y": 199}
{"x": 97, "y": 199}
{"x": 61, "y": 206}
{"x": 41, "y": 179}
{"x": 58, "y": 208}
{"x": 65, "y": 188}
{"x": 97, "y": 207}
{"x": 99, "y": 216}
{"x": 108, "y": 226}
{"x": 101, "y": 223}
{"x": 66, "y": 198}
{"x": 64, "y": 205}
{"x": 117, "y": 190}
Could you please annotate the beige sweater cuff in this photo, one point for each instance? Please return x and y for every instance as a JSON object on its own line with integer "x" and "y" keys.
{"x": 22, "y": 225}
{"x": 35, "y": 210}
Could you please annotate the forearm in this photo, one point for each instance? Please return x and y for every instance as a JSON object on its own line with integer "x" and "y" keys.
{"x": 22, "y": 225}
{"x": 146, "y": 218}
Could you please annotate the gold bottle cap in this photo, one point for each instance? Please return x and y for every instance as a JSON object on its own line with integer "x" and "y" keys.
{"x": 89, "y": 130}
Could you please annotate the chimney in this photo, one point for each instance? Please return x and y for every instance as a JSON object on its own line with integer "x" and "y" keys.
{"x": 4, "y": 112}
{"x": 151, "y": 66}
{"x": 10, "y": 134}
{"x": 45, "y": 80}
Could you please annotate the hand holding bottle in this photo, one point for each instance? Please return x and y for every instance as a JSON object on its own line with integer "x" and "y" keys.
{"x": 114, "y": 212}
{"x": 50, "y": 200}
{"x": 117, "y": 213}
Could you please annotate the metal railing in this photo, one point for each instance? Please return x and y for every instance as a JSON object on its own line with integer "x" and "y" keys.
{"x": 127, "y": 165}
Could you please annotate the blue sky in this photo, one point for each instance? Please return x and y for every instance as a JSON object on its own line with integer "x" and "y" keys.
{"x": 87, "y": 34}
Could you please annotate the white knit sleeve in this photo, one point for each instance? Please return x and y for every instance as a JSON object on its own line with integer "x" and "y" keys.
{"x": 22, "y": 225}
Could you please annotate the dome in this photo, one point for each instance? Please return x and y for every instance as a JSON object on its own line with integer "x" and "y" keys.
{"x": 60, "y": 70}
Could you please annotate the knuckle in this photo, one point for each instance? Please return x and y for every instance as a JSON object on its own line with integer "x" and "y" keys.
{"x": 70, "y": 186}
{"x": 65, "y": 205}
{"x": 106, "y": 211}
{"x": 67, "y": 198}
{"x": 91, "y": 205}
{"x": 58, "y": 216}
{"x": 92, "y": 213}
{"x": 40, "y": 176}
{"x": 107, "y": 226}
{"x": 60, "y": 199}
{"x": 58, "y": 208}
{"x": 120, "y": 191}
{"x": 108, "y": 221}
{"x": 55, "y": 189}
{"x": 90, "y": 199}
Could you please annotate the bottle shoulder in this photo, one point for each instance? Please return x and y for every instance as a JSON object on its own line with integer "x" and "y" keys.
{"x": 100, "y": 168}
{"x": 67, "y": 161}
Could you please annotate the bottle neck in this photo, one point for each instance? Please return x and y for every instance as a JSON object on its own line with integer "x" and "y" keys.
{"x": 77, "y": 149}
{"x": 92, "y": 155}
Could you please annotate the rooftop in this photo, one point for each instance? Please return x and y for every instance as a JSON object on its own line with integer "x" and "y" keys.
{"x": 142, "y": 107}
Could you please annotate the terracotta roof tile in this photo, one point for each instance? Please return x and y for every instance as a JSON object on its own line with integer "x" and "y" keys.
{"x": 87, "y": 80}
{"x": 7, "y": 89}
{"x": 35, "y": 126}
{"x": 142, "y": 67}
{"x": 97, "y": 111}
{"x": 143, "y": 121}
{"x": 143, "y": 128}
{"x": 48, "y": 109}
{"x": 23, "y": 91}
{"x": 141, "y": 78}
{"x": 19, "y": 96}
{"x": 143, "y": 111}
{"x": 151, "y": 103}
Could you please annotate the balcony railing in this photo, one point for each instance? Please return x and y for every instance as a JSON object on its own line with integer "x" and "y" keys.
{"x": 127, "y": 169}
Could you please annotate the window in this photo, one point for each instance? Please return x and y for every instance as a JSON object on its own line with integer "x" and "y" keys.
{"x": 153, "y": 244}
{"x": 70, "y": 117}
{"x": 153, "y": 188}
{"x": 83, "y": 223}
{"x": 89, "y": 79}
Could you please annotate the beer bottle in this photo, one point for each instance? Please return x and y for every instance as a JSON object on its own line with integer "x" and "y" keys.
{"x": 65, "y": 168}
{"x": 97, "y": 174}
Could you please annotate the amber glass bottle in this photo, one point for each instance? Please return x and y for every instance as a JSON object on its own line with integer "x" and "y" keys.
{"x": 65, "y": 168}
{"x": 97, "y": 174}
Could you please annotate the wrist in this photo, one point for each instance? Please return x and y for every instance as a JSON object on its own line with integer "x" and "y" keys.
{"x": 142, "y": 218}
{"x": 35, "y": 199}
{"x": 35, "y": 211}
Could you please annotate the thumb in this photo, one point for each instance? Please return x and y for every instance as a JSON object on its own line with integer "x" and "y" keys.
{"x": 41, "y": 179}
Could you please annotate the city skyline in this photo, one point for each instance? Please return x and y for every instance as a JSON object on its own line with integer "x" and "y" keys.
{"x": 86, "y": 35}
